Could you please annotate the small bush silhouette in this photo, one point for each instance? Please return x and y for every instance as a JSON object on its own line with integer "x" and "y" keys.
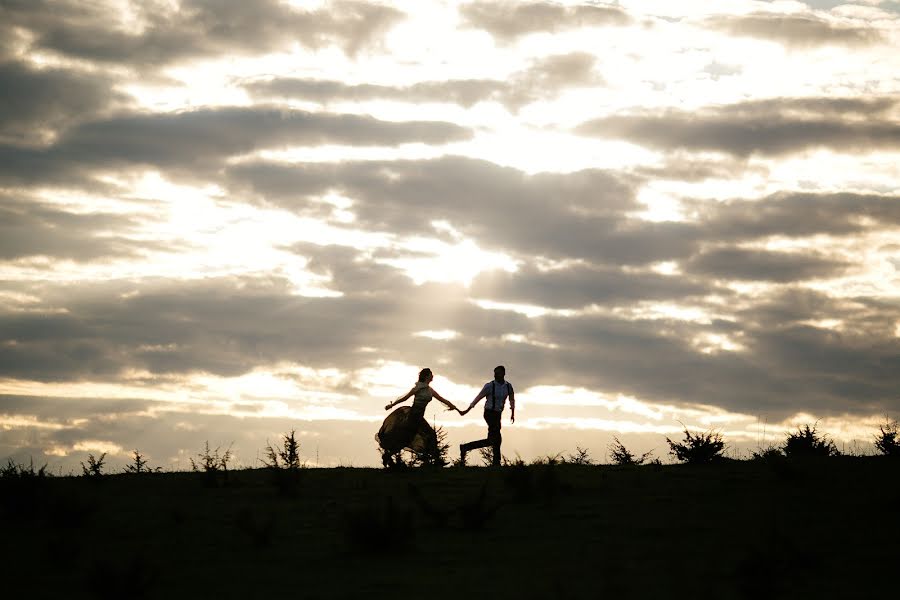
{"x": 14, "y": 470}
{"x": 210, "y": 461}
{"x": 886, "y": 442}
{"x": 139, "y": 464}
{"x": 581, "y": 457}
{"x": 699, "y": 448}
{"x": 487, "y": 457}
{"x": 94, "y": 468}
{"x": 767, "y": 454}
{"x": 286, "y": 457}
{"x": 549, "y": 459}
{"x": 437, "y": 455}
{"x": 620, "y": 455}
{"x": 808, "y": 442}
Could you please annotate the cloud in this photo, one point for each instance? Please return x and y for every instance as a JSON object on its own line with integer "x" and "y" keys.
{"x": 507, "y": 21}
{"x": 796, "y": 31}
{"x": 29, "y": 227}
{"x": 39, "y": 102}
{"x": 204, "y": 137}
{"x": 583, "y": 285}
{"x": 764, "y": 265}
{"x": 798, "y": 215}
{"x": 501, "y": 208}
{"x": 543, "y": 79}
{"x": 165, "y": 33}
{"x": 770, "y": 127}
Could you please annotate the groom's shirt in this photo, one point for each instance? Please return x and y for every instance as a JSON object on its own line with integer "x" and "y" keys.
{"x": 496, "y": 394}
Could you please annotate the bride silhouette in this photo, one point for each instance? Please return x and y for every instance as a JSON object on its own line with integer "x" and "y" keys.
{"x": 406, "y": 427}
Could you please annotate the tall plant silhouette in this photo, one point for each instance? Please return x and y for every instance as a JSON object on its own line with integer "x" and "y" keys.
{"x": 286, "y": 457}
{"x": 808, "y": 442}
{"x": 886, "y": 441}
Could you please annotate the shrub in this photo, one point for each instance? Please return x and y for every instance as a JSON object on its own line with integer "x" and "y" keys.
{"x": 14, "y": 470}
{"x": 286, "y": 457}
{"x": 887, "y": 442}
{"x": 550, "y": 459}
{"x": 94, "y": 468}
{"x": 620, "y": 455}
{"x": 436, "y": 455}
{"x": 808, "y": 442}
{"x": 139, "y": 465}
{"x": 700, "y": 448}
{"x": 581, "y": 457}
{"x": 767, "y": 454}
{"x": 487, "y": 457}
{"x": 211, "y": 461}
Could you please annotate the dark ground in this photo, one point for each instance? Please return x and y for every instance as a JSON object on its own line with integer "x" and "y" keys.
{"x": 825, "y": 529}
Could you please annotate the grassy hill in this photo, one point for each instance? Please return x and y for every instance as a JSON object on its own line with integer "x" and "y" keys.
{"x": 823, "y": 529}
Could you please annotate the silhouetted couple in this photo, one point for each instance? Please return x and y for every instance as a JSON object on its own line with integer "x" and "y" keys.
{"x": 406, "y": 427}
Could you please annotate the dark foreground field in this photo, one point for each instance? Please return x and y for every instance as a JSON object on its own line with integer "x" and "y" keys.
{"x": 735, "y": 530}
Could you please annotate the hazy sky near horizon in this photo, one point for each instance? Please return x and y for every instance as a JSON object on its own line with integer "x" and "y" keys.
{"x": 224, "y": 219}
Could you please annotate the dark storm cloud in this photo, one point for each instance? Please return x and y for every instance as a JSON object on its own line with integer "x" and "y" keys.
{"x": 769, "y": 127}
{"x": 191, "y": 139}
{"x": 544, "y": 78}
{"x": 584, "y": 285}
{"x": 194, "y": 28}
{"x": 37, "y": 102}
{"x": 507, "y": 21}
{"x": 500, "y": 207}
{"x": 799, "y": 31}
{"x": 797, "y": 214}
{"x": 29, "y": 227}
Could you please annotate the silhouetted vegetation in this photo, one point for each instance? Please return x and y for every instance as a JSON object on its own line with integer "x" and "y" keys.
{"x": 581, "y": 457}
{"x": 436, "y": 455}
{"x": 767, "y": 454}
{"x": 487, "y": 457}
{"x": 14, "y": 470}
{"x": 698, "y": 448}
{"x": 620, "y": 455}
{"x": 285, "y": 457}
{"x": 807, "y": 442}
{"x": 886, "y": 441}
{"x": 210, "y": 461}
{"x": 95, "y": 465}
{"x": 139, "y": 464}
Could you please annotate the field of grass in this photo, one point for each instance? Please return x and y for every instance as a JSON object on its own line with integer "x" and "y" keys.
{"x": 752, "y": 529}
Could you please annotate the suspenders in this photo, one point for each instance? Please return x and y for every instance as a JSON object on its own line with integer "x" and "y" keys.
{"x": 494, "y": 395}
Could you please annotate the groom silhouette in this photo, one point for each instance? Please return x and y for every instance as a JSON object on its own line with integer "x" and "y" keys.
{"x": 496, "y": 391}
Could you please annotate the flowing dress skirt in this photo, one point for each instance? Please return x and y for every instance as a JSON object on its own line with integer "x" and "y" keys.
{"x": 406, "y": 427}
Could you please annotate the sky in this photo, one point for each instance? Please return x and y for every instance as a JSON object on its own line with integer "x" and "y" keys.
{"x": 222, "y": 220}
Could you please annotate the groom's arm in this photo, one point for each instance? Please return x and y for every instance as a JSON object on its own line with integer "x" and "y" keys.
{"x": 483, "y": 393}
{"x": 512, "y": 403}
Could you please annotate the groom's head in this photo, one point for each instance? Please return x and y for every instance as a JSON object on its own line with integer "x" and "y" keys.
{"x": 499, "y": 372}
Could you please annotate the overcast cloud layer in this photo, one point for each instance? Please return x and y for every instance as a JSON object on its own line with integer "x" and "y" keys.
{"x": 220, "y": 221}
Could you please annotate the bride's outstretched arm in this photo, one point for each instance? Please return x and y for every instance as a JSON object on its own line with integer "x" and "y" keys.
{"x": 445, "y": 402}
{"x": 391, "y": 405}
